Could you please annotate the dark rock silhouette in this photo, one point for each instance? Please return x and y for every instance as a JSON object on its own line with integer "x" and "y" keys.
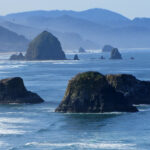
{"x": 115, "y": 54}
{"x": 17, "y": 57}
{"x": 76, "y": 57}
{"x": 90, "y": 92}
{"x": 102, "y": 57}
{"x": 107, "y": 48}
{"x": 12, "y": 90}
{"x": 81, "y": 50}
{"x": 132, "y": 58}
{"x": 45, "y": 47}
{"x": 135, "y": 91}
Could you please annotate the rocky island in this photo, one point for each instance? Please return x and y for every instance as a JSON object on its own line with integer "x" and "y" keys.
{"x": 81, "y": 50}
{"x": 115, "y": 54}
{"x": 12, "y": 90}
{"x": 17, "y": 57}
{"x": 44, "y": 47}
{"x": 90, "y": 92}
{"x": 107, "y": 48}
{"x": 76, "y": 57}
{"x": 134, "y": 90}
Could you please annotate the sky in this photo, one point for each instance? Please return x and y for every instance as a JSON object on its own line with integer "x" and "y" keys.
{"x": 128, "y": 8}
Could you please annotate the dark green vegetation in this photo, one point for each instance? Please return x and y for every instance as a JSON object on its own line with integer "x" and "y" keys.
{"x": 45, "y": 47}
{"x": 12, "y": 90}
{"x": 90, "y": 92}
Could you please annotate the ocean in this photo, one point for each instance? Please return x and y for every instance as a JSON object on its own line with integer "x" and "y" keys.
{"x": 38, "y": 127}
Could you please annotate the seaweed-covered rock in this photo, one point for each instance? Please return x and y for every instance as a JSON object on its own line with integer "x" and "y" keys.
{"x": 81, "y": 50}
{"x": 115, "y": 54}
{"x": 12, "y": 90}
{"x": 90, "y": 92}
{"x": 134, "y": 90}
{"x": 45, "y": 47}
{"x": 76, "y": 57}
{"x": 17, "y": 57}
{"x": 107, "y": 48}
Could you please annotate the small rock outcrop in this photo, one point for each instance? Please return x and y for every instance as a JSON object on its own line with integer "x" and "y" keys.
{"x": 115, "y": 54}
{"x": 107, "y": 48}
{"x": 45, "y": 47}
{"x": 90, "y": 92}
{"x": 132, "y": 58}
{"x": 12, "y": 90}
{"x": 81, "y": 50}
{"x": 102, "y": 57}
{"x": 17, "y": 57}
{"x": 76, "y": 57}
{"x": 134, "y": 90}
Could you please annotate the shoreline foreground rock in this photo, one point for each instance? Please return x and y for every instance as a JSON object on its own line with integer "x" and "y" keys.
{"x": 90, "y": 92}
{"x": 44, "y": 47}
{"x": 12, "y": 90}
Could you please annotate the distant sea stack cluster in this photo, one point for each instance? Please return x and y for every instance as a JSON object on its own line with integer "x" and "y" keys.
{"x": 44, "y": 47}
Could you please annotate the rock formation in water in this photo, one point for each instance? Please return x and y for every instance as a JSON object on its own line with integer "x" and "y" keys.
{"x": 81, "y": 50}
{"x": 134, "y": 90}
{"x": 90, "y": 92}
{"x": 102, "y": 57}
{"x": 76, "y": 57}
{"x": 17, "y": 57}
{"x": 45, "y": 47}
{"x": 107, "y": 48}
{"x": 12, "y": 90}
{"x": 115, "y": 54}
{"x": 132, "y": 58}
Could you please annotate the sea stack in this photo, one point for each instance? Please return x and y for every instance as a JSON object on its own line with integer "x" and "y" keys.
{"x": 17, "y": 57}
{"x": 115, "y": 54}
{"x": 90, "y": 92}
{"x": 134, "y": 90}
{"x": 12, "y": 90}
{"x": 45, "y": 47}
{"x": 107, "y": 48}
{"x": 76, "y": 57}
{"x": 81, "y": 50}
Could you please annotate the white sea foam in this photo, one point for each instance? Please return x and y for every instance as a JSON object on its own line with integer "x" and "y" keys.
{"x": 120, "y": 146}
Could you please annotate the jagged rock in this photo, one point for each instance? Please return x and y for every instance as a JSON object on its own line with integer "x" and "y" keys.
{"x": 76, "y": 57}
{"x": 45, "y": 47}
{"x": 107, "y": 48}
{"x": 90, "y": 92}
{"x": 17, "y": 57}
{"x": 81, "y": 50}
{"x": 12, "y": 90}
{"x": 134, "y": 90}
{"x": 102, "y": 57}
{"x": 115, "y": 54}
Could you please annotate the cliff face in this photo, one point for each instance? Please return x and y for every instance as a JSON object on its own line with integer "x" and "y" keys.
{"x": 45, "y": 47}
{"x": 90, "y": 92}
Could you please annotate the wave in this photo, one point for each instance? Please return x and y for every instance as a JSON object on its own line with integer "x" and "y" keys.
{"x": 120, "y": 146}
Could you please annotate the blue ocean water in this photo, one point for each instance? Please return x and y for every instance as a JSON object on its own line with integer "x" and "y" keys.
{"x": 38, "y": 127}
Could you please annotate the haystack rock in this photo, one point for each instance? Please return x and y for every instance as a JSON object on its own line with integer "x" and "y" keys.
{"x": 115, "y": 54}
{"x": 134, "y": 90}
{"x": 12, "y": 90}
{"x": 107, "y": 48}
{"x": 90, "y": 92}
{"x": 45, "y": 47}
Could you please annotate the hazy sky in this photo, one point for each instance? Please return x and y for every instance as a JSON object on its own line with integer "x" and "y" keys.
{"x": 129, "y": 8}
